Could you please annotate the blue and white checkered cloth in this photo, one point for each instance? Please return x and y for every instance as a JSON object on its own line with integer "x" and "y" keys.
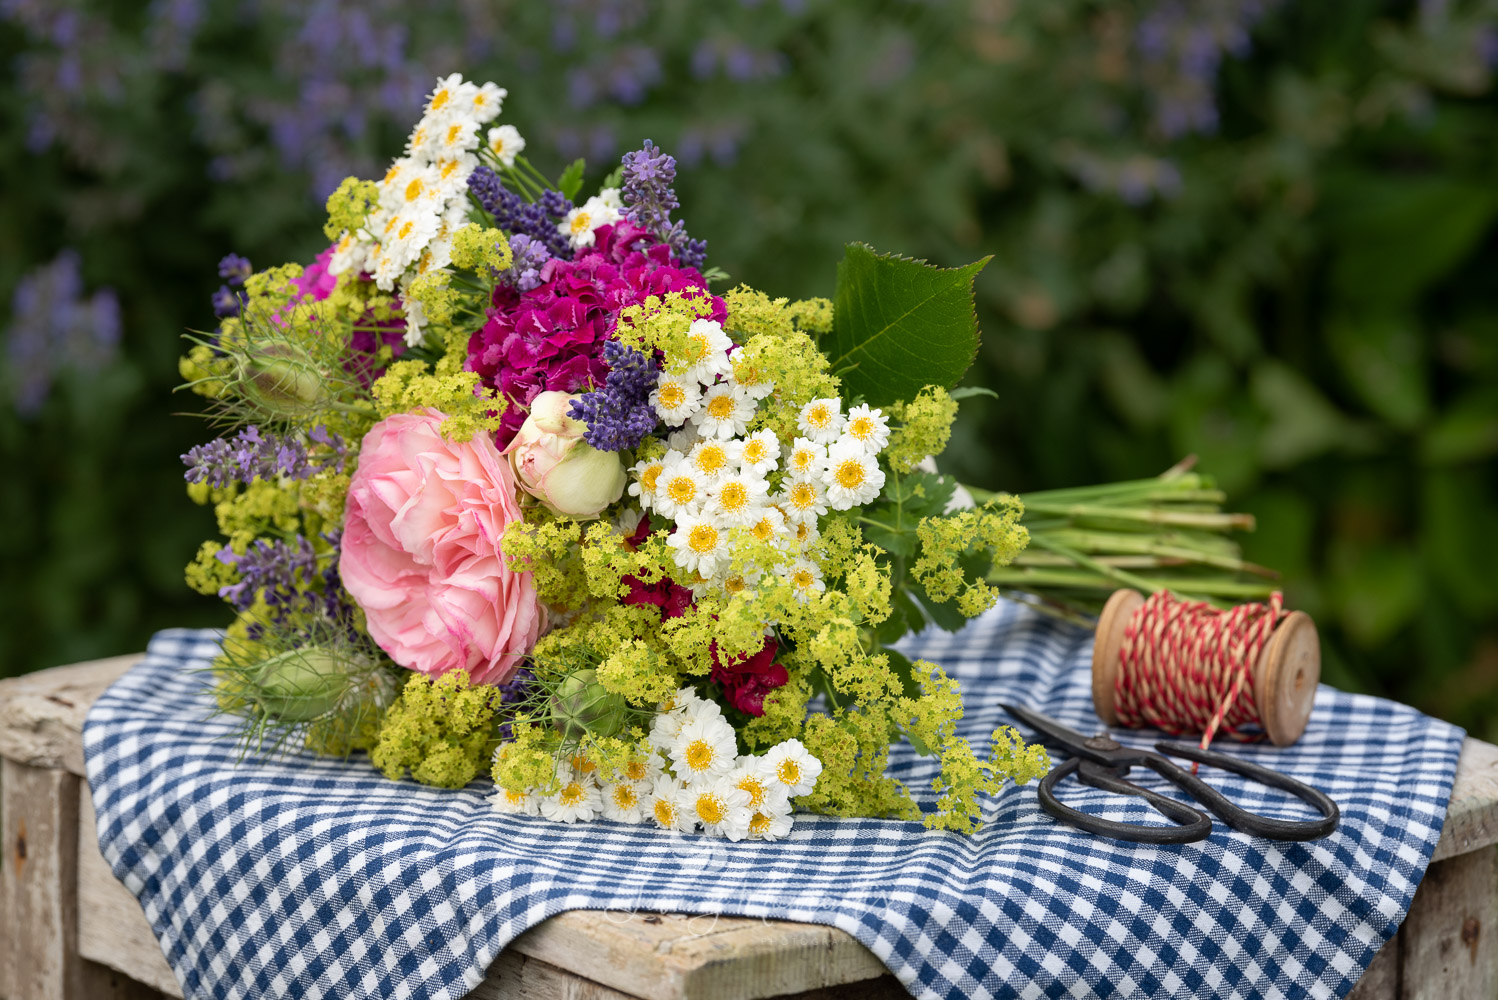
{"x": 317, "y": 878}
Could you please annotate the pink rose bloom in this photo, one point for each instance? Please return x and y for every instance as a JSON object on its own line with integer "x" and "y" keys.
{"x": 421, "y": 551}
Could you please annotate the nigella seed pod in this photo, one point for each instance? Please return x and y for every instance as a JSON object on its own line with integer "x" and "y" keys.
{"x": 282, "y": 377}
{"x": 581, "y": 702}
{"x": 300, "y": 685}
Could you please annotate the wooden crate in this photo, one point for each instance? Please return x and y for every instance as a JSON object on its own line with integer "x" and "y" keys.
{"x": 70, "y": 931}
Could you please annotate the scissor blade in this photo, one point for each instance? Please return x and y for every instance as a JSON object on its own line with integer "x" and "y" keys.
{"x": 1051, "y": 731}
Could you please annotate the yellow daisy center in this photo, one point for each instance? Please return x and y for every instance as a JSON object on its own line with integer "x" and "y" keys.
{"x": 672, "y": 395}
{"x": 734, "y": 496}
{"x": 703, "y": 539}
{"x": 581, "y": 223}
{"x": 851, "y": 474}
{"x": 391, "y": 174}
{"x": 803, "y": 496}
{"x": 754, "y": 451}
{"x": 682, "y": 489}
{"x": 700, "y": 755}
{"x": 755, "y": 788}
{"x": 498, "y": 145}
{"x": 734, "y": 584}
{"x": 448, "y": 166}
{"x": 454, "y": 133}
{"x": 789, "y": 772}
{"x": 665, "y": 813}
{"x": 405, "y": 230}
{"x": 711, "y": 459}
{"x": 625, "y": 797}
{"x": 651, "y": 476}
{"x": 413, "y": 190}
{"x": 390, "y": 225}
{"x": 819, "y": 416}
{"x": 763, "y": 530}
{"x": 635, "y": 770}
{"x": 419, "y": 138}
{"x": 583, "y": 764}
{"x": 440, "y": 99}
{"x": 572, "y": 793}
{"x": 720, "y": 407}
{"x": 802, "y": 579}
{"x": 862, "y": 428}
{"x": 711, "y": 809}
{"x": 803, "y": 532}
{"x": 759, "y": 824}
{"x": 514, "y": 798}
{"x": 801, "y": 460}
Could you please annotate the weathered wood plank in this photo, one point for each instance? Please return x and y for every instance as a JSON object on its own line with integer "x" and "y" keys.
{"x": 39, "y": 954}
{"x": 1447, "y": 944}
{"x": 514, "y": 976}
{"x": 1381, "y": 979}
{"x": 1472, "y": 815}
{"x": 101, "y": 983}
{"x": 112, "y": 930}
{"x": 41, "y": 714}
{"x": 679, "y": 957}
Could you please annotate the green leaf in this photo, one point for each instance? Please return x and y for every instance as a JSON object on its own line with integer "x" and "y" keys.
{"x": 571, "y": 181}
{"x": 900, "y": 325}
{"x": 946, "y": 615}
{"x": 614, "y": 179}
{"x": 970, "y": 391}
{"x": 900, "y": 664}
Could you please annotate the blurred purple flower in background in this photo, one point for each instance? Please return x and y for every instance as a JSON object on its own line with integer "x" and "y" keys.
{"x": 54, "y": 330}
{"x": 1181, "y": 46}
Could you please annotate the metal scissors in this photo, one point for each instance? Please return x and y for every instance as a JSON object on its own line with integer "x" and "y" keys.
{"x": 1102, "y": 762}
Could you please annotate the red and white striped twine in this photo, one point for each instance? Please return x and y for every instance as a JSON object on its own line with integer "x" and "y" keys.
{"x": 1187, "y": 667}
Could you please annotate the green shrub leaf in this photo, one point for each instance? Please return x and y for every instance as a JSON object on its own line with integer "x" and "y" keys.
{"x": 901, "y": 325}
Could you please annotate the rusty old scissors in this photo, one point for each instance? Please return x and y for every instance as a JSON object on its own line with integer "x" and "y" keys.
{"x": 1102, "y": 762}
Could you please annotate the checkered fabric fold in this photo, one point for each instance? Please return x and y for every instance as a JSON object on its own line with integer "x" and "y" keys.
{"x": 317, "y": 878}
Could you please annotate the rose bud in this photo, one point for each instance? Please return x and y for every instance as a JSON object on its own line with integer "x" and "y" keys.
{"x": 556, "y": 466}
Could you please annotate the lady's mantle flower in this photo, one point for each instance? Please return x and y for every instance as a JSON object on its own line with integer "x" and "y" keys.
{"x": 853, "y": 476}
{"x": 791, "y": 766}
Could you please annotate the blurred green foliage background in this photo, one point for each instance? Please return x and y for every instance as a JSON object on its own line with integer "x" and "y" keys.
{"x": 1260, "y": 232}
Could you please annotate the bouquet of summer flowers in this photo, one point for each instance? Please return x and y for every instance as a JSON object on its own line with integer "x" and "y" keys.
{"x": 512, "y": 484}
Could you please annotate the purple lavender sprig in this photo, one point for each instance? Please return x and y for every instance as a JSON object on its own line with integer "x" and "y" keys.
{"x": 516, "y": 216}
{"x": 230, "y": 298}
{"x": 287, "y": 577}
{"x": 649, "y": 200}
{"x": 251, "y": 455}
{"x": 619, "y": 415}
{"x": 513, "y": 693}
{"x": 528, "y": 256}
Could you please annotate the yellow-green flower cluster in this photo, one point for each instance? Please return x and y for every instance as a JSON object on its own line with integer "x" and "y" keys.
{"x": 923, "y": 427}
{"x": 993, "y": 529}
{"x": 440, "y": 731}
{"x": 411, "y": 385}
{"x": 350, "y": 205}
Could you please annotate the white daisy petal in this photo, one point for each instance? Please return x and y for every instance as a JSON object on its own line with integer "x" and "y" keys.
{"x": 791, "y": 766}
{"x": 853, "y": 476}
{"x": 821, "y": 420}
{"x": 867, "y": 426}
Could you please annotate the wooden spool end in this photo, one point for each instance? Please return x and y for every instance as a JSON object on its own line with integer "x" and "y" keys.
{"x": 1285, "y": 677}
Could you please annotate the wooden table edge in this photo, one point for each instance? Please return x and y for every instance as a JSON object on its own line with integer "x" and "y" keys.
{"x": 670, "y": 956}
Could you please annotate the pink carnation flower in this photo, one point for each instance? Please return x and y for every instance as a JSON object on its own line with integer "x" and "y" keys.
{"x": 421, "y": 551}
{"x": 551, "y": 337}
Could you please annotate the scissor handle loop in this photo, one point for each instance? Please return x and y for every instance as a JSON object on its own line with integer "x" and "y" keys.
{"x": 1237, "y": 817}
{"x": 1193, "y": 825}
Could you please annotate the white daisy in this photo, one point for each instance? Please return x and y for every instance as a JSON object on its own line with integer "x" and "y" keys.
{"x": 452, "y": 174}
{"x": 487, "y": 101}
{"x": 647, "y": 474}
{"x": 704, "y": 748}
{"x": 821, "y": 420}
{"x": 700, "y": 544}
{"x": 399, "y": 174}
{"x": 869, "y": 427}
{"x": 706, "y": 351}
{"x": 451, "y": 97}
{"x": 680, "y": 491}
{"x": 805, "y": 576}
{"x": 624, "y": 801}
{"x": 760, "y": 452}
{"x": 792, "y": 767}
{"x": 350, "y": 253}
{"x": 734, "y": 583}
{"x": 805, "y": 534}
{"x": 683, "y": 439}
{"x": 714, "y": 458}
{"x": 578, "y": 798}
{"x": 805, "y": 459}
{"x": 853, "y": 475}
{"x": 721, "y": 807}
{"x": 675, "y": 398}
{"x": 666, "y": 803}
{"x": 506, "y": 143}
{"x": 769, "y": 826}
{"x": 769, "y": 525}
{"x": 802, "y": 500}
{"x": 642, "y": 770}
{"x": 458, "y": 136}
{"x": 737, "y": 498}
{"x": 416, "y": 318}
{"x": 525, "y": 804}
{"x": 612, "y": 197}
{"x": 581, "y": 222}
{"x": 764, "y": 796}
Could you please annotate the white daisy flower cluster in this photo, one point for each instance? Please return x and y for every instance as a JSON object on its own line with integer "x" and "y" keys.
{"x": 603, "y": 209}
{"x": 715, "y": 477}
{"x": 693, "y": 781}
{"x": 424, "y": 194}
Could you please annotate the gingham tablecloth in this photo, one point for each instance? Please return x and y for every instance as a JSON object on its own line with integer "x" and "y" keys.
{"x": 316, "y": 878}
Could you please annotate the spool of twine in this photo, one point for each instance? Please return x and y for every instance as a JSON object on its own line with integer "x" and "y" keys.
{"x": 1185, "y": 667}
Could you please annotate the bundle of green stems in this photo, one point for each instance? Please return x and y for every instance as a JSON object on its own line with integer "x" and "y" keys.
{"x": 1165, "y": 533}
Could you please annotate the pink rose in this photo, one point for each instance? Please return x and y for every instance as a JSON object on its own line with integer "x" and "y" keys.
{"x": 421, "y": 551}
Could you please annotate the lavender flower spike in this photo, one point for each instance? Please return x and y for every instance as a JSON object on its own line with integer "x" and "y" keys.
{"x": 649, "y": 199}
{"x": 619, "y": 415}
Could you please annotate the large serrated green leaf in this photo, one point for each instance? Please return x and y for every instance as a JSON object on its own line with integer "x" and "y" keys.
{"x": 901, "y": 325}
